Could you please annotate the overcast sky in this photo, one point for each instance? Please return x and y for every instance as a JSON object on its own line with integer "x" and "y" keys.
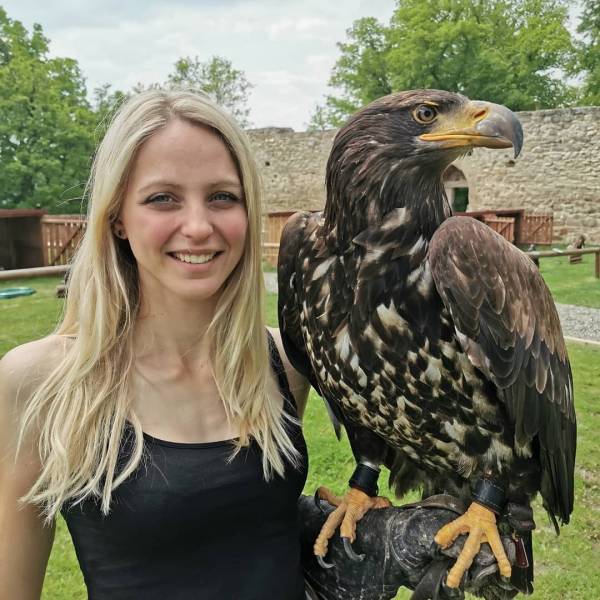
{"x": 285, "y": 47}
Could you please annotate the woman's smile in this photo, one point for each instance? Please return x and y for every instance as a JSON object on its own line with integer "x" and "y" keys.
{"x": 198, "y": 260}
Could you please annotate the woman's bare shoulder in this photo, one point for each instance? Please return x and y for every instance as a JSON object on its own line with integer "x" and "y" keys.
{"x": 26, "y": 366}
{"x": 299, "y": 385}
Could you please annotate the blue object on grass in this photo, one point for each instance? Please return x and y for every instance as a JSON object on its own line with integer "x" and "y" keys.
{"x": 14, "y": 292}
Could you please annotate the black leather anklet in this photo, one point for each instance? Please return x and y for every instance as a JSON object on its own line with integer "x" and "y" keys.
{"x": 365, "y": 479}
{"x": 490, "y": 494}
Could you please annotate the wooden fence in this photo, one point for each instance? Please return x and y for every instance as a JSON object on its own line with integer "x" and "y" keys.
{"x": 505, "y": 226}
{"x": 273, "y": 225}
{"x": 528, "y": 229}
{"x": 537, "y": 229}
{"x": 517, "y": 226}
{"x": 61, "y": 235}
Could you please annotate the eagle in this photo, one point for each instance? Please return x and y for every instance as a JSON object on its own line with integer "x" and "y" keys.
{"x": 433, "y": 340}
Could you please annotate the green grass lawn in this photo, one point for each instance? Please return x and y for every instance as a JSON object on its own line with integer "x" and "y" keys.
{"x": 566, "y": 567}
{"x": 29, "y": 317}
{"x": 572, "y": 284}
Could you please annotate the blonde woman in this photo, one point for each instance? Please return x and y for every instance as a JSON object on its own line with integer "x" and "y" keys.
{"x": 151, "y": 418}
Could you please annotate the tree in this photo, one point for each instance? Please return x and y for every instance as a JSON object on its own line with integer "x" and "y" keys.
{"x": 361, "y": 72}
{"x": 46, "y": 123}
{"x": 106, "y": 102}
{"x": 505, "y": 51}
{"x": 216, "y": 77}
{"x": 589, "y": 52}
{"x": 321, "y": 119}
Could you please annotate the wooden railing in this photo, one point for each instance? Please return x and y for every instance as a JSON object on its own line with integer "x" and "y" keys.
{"x": 575, "y": 252}
{"x": 33, "y": 272}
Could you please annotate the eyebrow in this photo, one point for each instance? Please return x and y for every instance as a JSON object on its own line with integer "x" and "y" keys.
{"x": 165, "y": 183}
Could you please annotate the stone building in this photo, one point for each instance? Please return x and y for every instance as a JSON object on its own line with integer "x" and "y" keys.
{"x": 557, "y": 172}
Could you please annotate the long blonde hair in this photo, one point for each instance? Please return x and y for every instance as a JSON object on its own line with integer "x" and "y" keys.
{"x": 82, "y": 409}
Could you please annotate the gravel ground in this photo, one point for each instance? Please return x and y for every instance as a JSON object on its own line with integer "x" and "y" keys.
{"x": 577, "y": 321}
{"x": 580, "y": 322}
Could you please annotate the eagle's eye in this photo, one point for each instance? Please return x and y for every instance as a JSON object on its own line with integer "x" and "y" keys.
{"x": 425, "y": 113}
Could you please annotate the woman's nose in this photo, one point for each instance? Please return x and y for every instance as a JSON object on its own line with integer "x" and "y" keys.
{"x": 197, "y": 223}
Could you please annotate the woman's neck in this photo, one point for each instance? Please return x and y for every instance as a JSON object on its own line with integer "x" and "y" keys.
{"x": 173, "y": 329}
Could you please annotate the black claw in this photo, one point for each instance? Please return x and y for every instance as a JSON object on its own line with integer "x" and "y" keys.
{"x": 505, "y": 583}
{"x": 435, "y": 550}
{"x": 350, "y": 551}
{"x": 323, "y": 564}
{"x": 317, "y": 500}
{"x": 451, "y": 593}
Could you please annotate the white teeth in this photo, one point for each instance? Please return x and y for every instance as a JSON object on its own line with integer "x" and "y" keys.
{"x": 196, "y": 259}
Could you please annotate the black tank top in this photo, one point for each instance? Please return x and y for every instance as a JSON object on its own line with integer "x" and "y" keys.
{"x": 191, "y": 524}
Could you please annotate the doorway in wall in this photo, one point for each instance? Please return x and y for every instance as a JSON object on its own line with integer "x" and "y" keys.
{"x": 457, "y": 189}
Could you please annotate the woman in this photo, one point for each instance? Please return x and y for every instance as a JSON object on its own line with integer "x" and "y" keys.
{"x": 150, "y": 419}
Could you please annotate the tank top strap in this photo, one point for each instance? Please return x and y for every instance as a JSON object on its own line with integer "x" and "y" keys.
{"x": 282, "y": 380}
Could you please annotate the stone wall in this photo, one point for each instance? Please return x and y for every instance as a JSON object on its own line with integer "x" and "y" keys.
{"x": 292, "y": 166}
{"x": 557, "y": 172}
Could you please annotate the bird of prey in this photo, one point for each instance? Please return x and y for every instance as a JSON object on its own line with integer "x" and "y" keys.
{"x": 433, "y": 340}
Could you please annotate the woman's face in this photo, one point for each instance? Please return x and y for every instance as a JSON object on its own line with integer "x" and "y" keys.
{"x": 184, "y": 213}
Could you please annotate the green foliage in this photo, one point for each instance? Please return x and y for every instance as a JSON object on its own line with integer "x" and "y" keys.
{"x": 217, "y": 77}
{"x": 589, "y": 52}
{"x": 321, "y": 119}
{"x": 505, "y": 51}
{"x": 46, "y": 123}
{"x": 106, "y": 103}
{"x": 361, "y": 72}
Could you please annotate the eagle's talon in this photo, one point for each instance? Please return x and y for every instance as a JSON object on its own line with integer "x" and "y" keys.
{"x": 505, "y": 583}
{"x": 480, "y": 523}
{"x": 323, "y": 564}
{"x": 350, "y": 509}
{"x": 350, "y": 551}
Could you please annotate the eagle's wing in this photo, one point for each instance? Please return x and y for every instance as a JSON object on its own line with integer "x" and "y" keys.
{"x": 507, "y": 324}
{"x": 294, "y": 243}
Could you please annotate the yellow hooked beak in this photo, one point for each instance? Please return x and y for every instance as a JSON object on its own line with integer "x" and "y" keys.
{"x": 477, "y": 124}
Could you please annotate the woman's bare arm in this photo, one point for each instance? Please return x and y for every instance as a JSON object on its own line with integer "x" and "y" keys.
{"x": 25, "y": 542}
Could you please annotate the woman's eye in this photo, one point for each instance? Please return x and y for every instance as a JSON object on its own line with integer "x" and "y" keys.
{"x": 159, "y": 199}
{"x": 226, "y": 197}
{"x": 425, "y": 113}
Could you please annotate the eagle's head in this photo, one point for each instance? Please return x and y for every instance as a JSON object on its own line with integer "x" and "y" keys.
{"x": 394, "y": 151}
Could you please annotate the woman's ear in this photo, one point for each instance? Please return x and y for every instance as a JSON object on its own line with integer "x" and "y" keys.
{"x": 119, "y": 229}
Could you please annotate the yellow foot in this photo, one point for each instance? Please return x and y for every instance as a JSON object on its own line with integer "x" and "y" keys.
{"x": 480, "y": 523}
{"x": 350, "y": 509}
